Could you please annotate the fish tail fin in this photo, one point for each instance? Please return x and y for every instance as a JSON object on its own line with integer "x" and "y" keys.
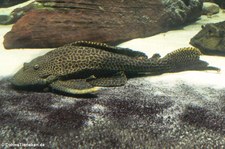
{"x": 186, "y": 59}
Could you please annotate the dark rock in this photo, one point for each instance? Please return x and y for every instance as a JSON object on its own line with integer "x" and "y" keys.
{"x": 3, "y": 18}
{"x": 8, "y": 3}
{"x": 16, "y": 14}
{"x": 211, "y": 39}
{"x": 138, "y": 115}
{"x": 63, "y": 21}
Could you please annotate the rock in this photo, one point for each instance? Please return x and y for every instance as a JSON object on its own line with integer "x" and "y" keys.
{"x": 62, "y": 21}
{"x": 3, "y": 18}
{"x": 211, "y": 39}
{"x": 210, "y": 8}
{"x": 8, "y": 3}
{"x": 138, "y": 115}
{"x": 16, "y": 14}
{"x": 221, "y": 3}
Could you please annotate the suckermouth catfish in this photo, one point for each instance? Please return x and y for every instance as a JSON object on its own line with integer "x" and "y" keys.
{"x": 84, "y": 67}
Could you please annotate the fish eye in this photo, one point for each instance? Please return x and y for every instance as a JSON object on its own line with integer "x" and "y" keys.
{"x": 36, "y": 67}
{"x": 203, "y": 26}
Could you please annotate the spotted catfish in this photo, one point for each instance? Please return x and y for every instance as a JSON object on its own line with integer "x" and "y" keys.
{"x": 84, "y": 67}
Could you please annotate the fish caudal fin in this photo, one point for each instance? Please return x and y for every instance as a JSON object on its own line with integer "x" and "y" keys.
{"x": 186, "y": 59}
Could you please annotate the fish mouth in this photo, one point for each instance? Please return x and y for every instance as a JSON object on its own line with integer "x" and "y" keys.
{"x": 23, "y": 79}
{"x": 23, "y": 85}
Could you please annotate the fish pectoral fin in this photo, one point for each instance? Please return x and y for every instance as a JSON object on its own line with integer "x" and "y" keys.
{"x": 118, "y": 79}
{"x": 75, "y": 86}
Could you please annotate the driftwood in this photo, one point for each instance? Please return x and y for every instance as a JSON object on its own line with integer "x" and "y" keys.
{"x": 54, "y": 23}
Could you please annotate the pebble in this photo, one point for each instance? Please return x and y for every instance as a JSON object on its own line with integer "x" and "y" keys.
{"x": 210, "y": 8}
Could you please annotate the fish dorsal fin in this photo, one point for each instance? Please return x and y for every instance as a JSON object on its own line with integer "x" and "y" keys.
{"x": 106, "y": 47}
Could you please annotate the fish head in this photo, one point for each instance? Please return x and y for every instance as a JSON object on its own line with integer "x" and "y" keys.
{"x": 33, "y": 74}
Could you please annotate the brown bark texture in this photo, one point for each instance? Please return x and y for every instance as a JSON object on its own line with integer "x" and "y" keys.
{"x": 57, "y": 22}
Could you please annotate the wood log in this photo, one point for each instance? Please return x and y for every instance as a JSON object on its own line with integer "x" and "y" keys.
{"x": 59, "y": 22}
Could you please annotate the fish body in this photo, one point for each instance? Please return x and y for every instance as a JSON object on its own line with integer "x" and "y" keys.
{"x": 82, "y": 67}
